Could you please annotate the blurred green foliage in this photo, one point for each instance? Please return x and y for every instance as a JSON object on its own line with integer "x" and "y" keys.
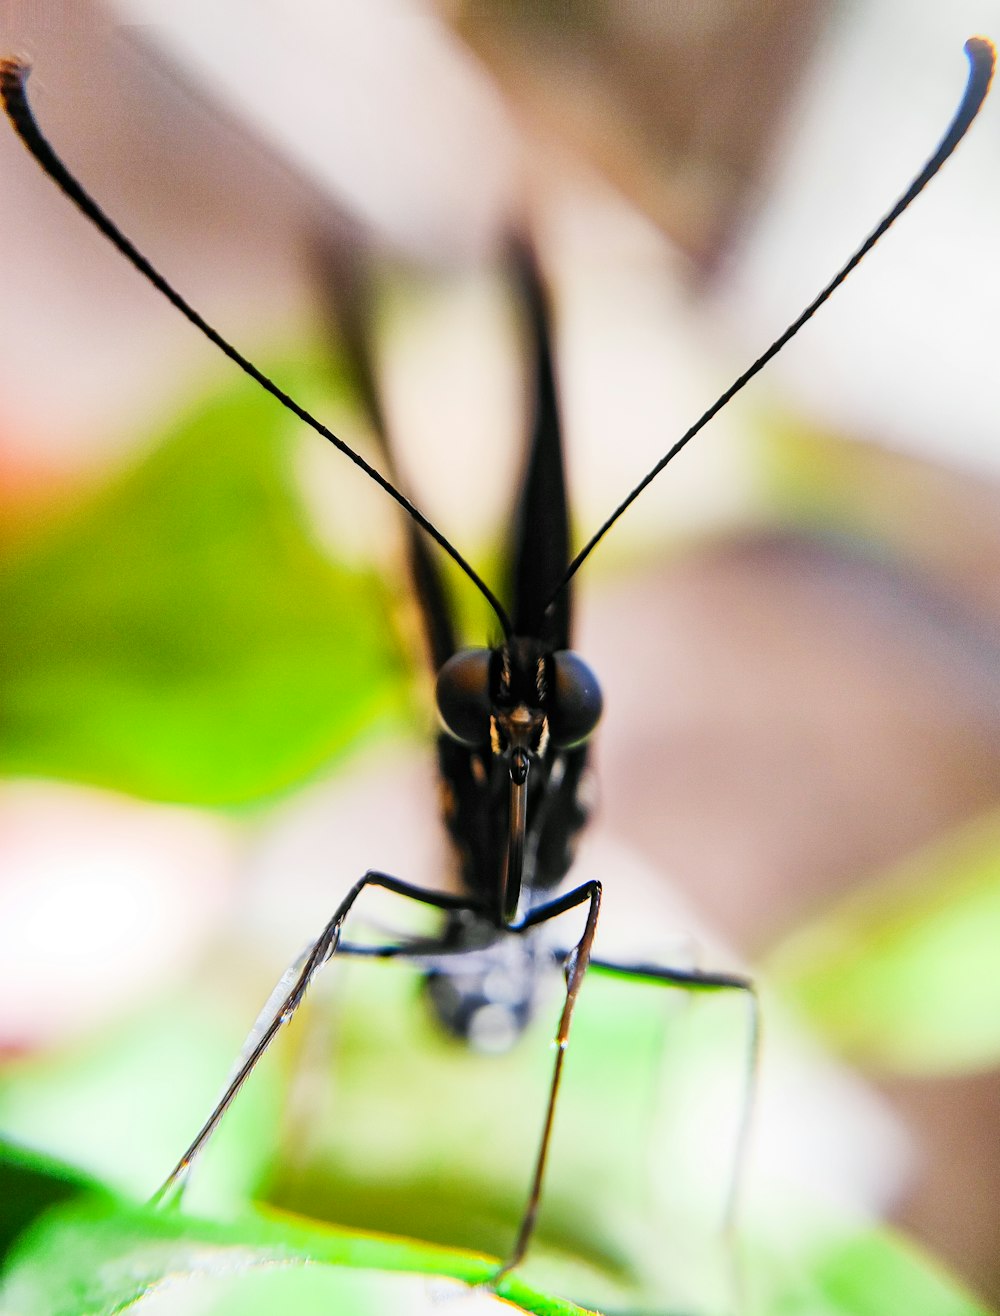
{"x": 100, "y": 1254}
{"x": 905, "y": 974}
{"x": 181, "y": 636}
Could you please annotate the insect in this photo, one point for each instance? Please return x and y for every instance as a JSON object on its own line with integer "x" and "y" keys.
{"x": 517, "y": 717}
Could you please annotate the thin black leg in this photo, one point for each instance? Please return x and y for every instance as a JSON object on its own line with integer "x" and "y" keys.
{"x": 575, "y": 966}
{"x": 283, "y": 1003}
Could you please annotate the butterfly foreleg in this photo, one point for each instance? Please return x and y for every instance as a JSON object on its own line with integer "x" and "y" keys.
{"x": 575, "y": 967}
{"x": 283, "y": 1003}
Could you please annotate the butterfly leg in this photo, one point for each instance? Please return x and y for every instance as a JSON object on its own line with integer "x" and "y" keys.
{"x": 282, "y": 1005}
{"x": 694, "y": 980}
{"x": 574, "y": 967}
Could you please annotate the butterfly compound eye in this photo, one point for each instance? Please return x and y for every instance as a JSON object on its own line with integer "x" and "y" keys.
{"x": 463, "y": 696}
{"x": 577, "y": 700}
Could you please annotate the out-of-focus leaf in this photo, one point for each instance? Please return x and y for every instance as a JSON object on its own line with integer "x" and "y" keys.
{"x": 905, "y": 974}
{"x": 870, "y": 1274}
{"x": 872, "y": 495}
{"x": 125, "y": 1106}
{"x": 851, "y": 1273}
{"x": 181, "y": 636}
{"x": 29, "y": 1185}
{"x": 104, "y": 1256}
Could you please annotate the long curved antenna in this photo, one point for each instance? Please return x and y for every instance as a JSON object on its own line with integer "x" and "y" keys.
{"x": 982, "y": 58}
{"x": 13, "y": 75}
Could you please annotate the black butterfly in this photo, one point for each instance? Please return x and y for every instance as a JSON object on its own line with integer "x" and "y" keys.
{"x": 517, "y": 717}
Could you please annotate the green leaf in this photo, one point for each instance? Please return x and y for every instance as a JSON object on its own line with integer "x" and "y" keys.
{"x": 30, "y": 1184}
{"x": 99, "y": 1254}
{"x": 126, "y": 1104}
{"x": 868, "y": 1273}
{"x": 877, "y": 1272}
{"x": 181, "y": 636}
{"x": 104, "y": 1256}
{"x": 905, "y": 974}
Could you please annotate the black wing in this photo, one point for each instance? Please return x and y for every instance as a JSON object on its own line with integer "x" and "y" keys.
{"x": 539, "y": 551}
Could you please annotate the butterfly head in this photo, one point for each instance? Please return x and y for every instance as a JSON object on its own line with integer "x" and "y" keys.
{"x": 518, "y": 699}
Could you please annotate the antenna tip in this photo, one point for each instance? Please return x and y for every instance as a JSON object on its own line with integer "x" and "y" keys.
{"x": 981, "y": 50}
{"x": 13, "y": 66}
{"x": 13, "y": 72}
